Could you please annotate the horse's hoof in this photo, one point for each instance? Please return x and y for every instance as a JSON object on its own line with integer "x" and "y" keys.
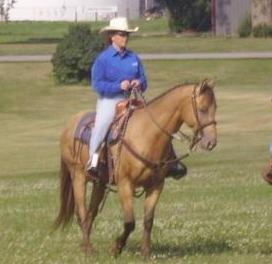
{"x": 116, "y": 249}
{"x": 145, "y": 253}
{"x": 88, "y": 249}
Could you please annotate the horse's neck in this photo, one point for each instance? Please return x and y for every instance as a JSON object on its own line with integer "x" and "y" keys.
{"x": 161, "y": 115}
{"x": 166, "y": 110}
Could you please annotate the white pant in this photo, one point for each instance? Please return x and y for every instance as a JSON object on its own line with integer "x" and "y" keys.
{"x": 105, "y": 111}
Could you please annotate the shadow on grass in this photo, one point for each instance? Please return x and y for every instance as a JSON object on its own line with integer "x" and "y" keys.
{"x": 200, "y": 247}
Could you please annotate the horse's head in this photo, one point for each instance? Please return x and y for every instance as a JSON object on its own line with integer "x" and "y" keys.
{"x": 202, "y": 116}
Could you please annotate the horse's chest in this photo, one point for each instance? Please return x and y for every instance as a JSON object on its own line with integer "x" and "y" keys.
{"x": 148, "y": 177}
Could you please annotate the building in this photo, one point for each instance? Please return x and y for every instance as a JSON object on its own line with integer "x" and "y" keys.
{"x": 228, "y": 15}
{"x": 77, "y": 10}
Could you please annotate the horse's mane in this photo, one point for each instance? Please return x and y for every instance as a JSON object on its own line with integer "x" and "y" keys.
{"x": 182, "y": 85}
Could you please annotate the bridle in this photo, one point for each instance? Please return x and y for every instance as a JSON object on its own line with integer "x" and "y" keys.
{"x": 198, "y": 133}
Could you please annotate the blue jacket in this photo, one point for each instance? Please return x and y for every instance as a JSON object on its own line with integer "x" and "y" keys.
{"x": 111, "y": 68}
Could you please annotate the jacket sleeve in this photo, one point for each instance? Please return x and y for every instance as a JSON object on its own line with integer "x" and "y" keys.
{"x": 142, "y": 78}
{"x": 99, "y": 81}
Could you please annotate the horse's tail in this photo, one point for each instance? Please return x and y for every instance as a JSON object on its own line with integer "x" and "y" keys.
{"x": 67, "y": 202}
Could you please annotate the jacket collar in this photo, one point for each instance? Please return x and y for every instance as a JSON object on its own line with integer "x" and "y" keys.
{"x": 114, "y": 52}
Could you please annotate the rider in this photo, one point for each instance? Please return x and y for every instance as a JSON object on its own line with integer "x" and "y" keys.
{"x": 115, "y": 71}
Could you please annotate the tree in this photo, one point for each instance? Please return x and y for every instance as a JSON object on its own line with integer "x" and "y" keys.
{"x": 75, "y": 54}
{"x": 5, "y": 6}
{"x": 188, "y": 14}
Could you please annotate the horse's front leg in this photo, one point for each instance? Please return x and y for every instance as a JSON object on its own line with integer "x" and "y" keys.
{"x": 125, "y": 191}
{"x": 151, "y": 199}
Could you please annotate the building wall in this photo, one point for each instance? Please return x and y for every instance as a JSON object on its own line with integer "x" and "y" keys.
{"x": 229, "y": 15}
{"x": 129, "y": 8}
{"x": 261, "y": 12}
{"x": 71, "y": 10}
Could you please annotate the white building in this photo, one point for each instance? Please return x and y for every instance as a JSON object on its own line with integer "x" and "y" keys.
{"x": 76, "y": 10}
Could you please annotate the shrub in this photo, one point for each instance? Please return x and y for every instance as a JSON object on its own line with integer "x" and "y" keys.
{"x": 262, "y": 31}
{"x": 75, "y": 54}
{"x": 245, "y": 27}
{"x": 188, "y": 14}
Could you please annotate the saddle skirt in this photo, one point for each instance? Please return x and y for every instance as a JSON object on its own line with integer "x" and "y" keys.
{"x": 83, "y": 130}
{"x": 83, "y": 133}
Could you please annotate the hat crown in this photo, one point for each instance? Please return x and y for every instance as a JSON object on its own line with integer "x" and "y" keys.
{"x": 119, "y": 24}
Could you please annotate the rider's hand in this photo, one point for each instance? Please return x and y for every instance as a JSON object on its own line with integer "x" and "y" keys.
{"x": 125, "y": 85}
{"x": 135, "y": 83}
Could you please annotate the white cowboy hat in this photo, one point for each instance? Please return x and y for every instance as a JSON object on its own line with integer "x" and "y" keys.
{"x": 119, "y": 24}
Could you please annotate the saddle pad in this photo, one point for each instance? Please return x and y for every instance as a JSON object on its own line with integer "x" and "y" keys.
{"x": 84, "y": 128}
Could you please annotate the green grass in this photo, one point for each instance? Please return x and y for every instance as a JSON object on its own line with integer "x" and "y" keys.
{"x": 42, "y": 37}
{"x": 157, "y": 44}
{"x": 37, "y": 32}
{"x": 183, "y": 44}
{"x": 220, "y": 213}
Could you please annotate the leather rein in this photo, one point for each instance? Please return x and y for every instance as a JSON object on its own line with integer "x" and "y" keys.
{"x": 198, "y": 134}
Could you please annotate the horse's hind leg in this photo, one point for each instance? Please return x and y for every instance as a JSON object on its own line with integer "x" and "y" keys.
{"x": 151, "y": 199}
{"x": 79, "y": 187}
{"x": 126, "y": 198}
{"x": 97, "y": 196}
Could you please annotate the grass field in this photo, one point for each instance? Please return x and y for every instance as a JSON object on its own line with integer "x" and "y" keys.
{"x": 29, "y": 32}
{"x": 28, "y": 38}
{"x": 149, "y": 44}
{"x": 220, "y": 213}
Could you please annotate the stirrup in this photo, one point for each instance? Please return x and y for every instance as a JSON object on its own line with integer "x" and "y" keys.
{"x": 92, "y": 174}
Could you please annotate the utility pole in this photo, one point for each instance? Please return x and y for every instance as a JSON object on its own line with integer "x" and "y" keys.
{"x": 213, "y": 16}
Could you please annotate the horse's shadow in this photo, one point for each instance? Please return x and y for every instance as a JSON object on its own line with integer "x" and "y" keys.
{"x": 201, "y": 247}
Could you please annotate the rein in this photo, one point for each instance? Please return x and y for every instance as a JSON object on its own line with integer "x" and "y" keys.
{"x": 151, "y": 164}
{"x": 198, "y": 133}
{"x": 199, "y": 130}
{"x": 148, "y": 162}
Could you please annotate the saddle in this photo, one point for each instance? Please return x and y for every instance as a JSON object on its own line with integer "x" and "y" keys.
{"x": 83, "y": 132}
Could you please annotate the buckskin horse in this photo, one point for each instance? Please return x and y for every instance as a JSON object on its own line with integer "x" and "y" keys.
{"x": 147, "y": 138}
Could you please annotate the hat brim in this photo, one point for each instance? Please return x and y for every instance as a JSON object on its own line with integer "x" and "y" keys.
{"x": 109, "y": 28}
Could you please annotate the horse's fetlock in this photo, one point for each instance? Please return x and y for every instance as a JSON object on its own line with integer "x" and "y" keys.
{"x": 130, "y": 226}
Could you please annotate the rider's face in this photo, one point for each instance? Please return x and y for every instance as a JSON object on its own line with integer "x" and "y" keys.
{"x": 120, "y": 39}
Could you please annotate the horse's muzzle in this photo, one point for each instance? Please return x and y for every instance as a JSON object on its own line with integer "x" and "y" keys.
{"x": 208, "y": 144}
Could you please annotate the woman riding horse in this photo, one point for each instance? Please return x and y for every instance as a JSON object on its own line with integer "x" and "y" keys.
{"x": 115, "y": 71}
{"x": 193, "y": 104}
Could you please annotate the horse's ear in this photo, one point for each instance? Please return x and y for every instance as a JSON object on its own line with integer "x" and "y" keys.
{"x": 205, "y": 85}
{"x": 211, "y": 83}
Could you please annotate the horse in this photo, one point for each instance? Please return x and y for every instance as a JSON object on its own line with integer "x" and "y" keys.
{"x": 146, "y": 140}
